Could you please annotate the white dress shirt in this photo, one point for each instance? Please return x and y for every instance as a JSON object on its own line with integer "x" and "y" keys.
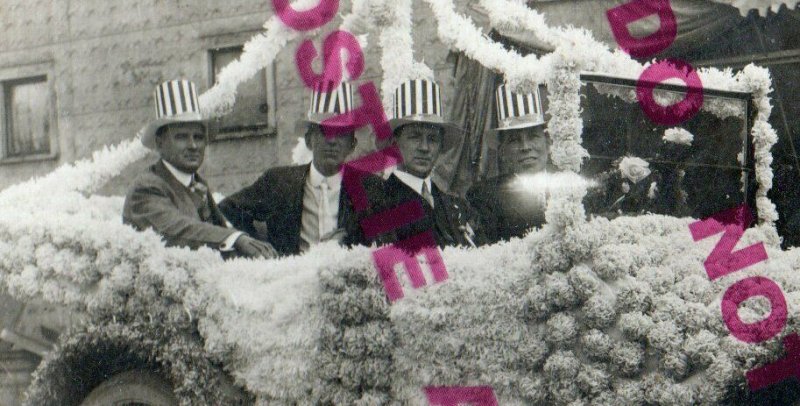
{"x": 414, "y": 182}
{"x": 186, "y": 179}
{"x": 320, "y": 206}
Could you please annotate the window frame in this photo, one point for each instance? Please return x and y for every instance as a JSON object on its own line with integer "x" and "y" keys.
{"x": 748, "y": 151}
{"x": 249, "y": 131}
{"x": 21, "y": 74}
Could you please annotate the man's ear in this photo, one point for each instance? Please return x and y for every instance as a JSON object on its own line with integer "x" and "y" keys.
{"x": 308, "y": 139}
{"x": 159, "y": 138}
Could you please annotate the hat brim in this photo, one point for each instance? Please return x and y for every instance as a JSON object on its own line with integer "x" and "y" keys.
{"x": 148, "y": 132}
{"x": 452, "y": 133}
{"x": 301, "y": 125}
{"x": 495, "y": 131}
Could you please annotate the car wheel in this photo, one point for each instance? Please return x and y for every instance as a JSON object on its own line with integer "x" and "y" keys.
{"x": 132, "y": 388}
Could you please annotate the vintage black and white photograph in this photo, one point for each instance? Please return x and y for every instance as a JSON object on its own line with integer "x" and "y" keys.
{"x": 399, "y": 202}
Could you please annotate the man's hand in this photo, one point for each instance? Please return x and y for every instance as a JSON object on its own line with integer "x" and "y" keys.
{"x": 335, "y": 235}
{"x": 252, "y": 248}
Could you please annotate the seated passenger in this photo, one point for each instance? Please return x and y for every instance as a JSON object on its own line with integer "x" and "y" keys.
{"x": 304, "y": 205}
{"x": 421, "y": 134}
{"x": 170, "y": 197}
{"x": 505, "y": 204}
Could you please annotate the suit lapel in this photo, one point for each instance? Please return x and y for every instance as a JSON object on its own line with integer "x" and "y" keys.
{"x": 294, "y": 187}
{"x": 443, "y": 214}
{"x": 216, "y": 215}
{"x": 182, "y": 197}
{"x": 345, "y": 211}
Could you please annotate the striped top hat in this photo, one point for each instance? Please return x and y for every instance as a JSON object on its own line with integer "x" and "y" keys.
{"x": 518, "y": 110}
{"x": 420, "y": 101}
{"x": 176, "y": 102}
{"x": 328, "y": 100}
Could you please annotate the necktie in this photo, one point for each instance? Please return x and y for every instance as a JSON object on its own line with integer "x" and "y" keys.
{"x": 426, "y": 193}
{"x": 200, "y": 198}
{"x": 323, "y": 209}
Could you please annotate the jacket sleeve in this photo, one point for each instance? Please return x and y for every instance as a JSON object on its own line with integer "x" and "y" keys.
{"x": 484, "y": 215}
{"x": 374, "y": 188}
{"x": 247, "y": 205}
{"x": 148, "y": 206}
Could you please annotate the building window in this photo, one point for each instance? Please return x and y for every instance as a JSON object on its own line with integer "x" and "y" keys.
{"x": 27, "y": 117}
{"x": 253, "y": 113}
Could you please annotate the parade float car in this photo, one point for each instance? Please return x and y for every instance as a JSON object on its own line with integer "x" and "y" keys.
{"x": 585, "y": 310}
{"x": 608, "y": 303}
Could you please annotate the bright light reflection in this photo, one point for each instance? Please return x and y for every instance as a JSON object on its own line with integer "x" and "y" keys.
{"x": 541, "y": 185}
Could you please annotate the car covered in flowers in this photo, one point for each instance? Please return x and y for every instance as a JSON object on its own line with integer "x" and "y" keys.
{"x": 607, "y": 304}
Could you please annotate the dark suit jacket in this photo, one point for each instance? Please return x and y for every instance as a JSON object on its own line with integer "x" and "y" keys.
{"x": 448, "y": 219}
{"x": 505, "y": 212}
{"x": 276, "y": 199}
{"x": 158, "y": 201}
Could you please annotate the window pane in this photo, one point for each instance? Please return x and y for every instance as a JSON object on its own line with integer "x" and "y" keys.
{"x": 250, "y": 109}
{"x": 695, "y": 180}
{"x": 27, "y": 112}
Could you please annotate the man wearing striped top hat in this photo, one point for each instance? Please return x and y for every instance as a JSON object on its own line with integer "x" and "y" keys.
{"x": 171, "y": 197}
{"x": 421, "y": 134}
{"x": 506, "y": 204}
{"x": 304, "y": 205}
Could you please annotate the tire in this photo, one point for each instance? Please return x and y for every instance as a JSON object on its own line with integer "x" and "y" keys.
{"x": 132, "y": 388}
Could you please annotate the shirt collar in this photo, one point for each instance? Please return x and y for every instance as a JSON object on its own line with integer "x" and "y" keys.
{"x": 184, "y": 178}
{"x": 315, "y": 178}
{"x": 412, "y": 181}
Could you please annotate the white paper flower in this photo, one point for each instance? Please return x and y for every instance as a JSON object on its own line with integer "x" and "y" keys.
{"x": 678, "y": 136}
{"x": 634, "y": 169}
{"x": 653, "y": 191}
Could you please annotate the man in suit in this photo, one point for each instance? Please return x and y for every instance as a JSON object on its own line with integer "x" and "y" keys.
{"x": 421, "y": 134}
{"x": 170, "y": 197}
{"x": 506, "y": 203}
{"x": 305, "y": 205}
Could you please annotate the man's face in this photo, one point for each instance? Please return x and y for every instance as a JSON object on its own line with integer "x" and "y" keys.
{"x": 420, "y": 145}
{"x": 329, "y": 154}
{"x": 523, "y": 150}
{"x": 183, "y": 145}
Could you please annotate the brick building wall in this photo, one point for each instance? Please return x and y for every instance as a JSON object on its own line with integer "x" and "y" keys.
{"x": 103, "y": 59}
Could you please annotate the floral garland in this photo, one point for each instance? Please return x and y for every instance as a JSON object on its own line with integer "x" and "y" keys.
{"x": 576, "y": 49}
{"x": 84, "y": 176}
{"x": 397, "y": 56}
{"x": 722, "y": 108}
{"x": 516, "y": 330}
{"x": 319, "y": 328}
{"x": 566, "y": 125}
{"x": 762, "y": 6}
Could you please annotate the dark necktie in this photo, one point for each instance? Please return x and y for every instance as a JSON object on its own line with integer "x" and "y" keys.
{"x": 426, "y": 194}
{"x": 200, "y": 199}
